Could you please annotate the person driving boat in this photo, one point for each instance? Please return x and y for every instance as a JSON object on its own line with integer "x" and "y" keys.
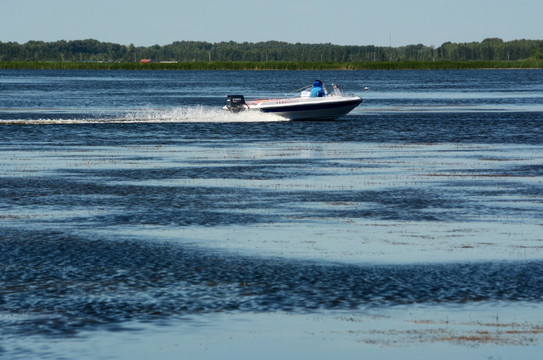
{"x": 317, "y": 90}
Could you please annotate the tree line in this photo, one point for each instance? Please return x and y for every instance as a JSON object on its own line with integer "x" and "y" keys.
{"x": 493, "y": 49}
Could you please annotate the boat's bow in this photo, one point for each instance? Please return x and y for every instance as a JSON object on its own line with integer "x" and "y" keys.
{"x": 323, "y": 108}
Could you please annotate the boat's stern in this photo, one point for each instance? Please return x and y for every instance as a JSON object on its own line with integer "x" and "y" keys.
{"x": 235, "y": 103}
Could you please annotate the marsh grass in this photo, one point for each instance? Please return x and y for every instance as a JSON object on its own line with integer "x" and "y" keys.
{"x": 243, "y": 65}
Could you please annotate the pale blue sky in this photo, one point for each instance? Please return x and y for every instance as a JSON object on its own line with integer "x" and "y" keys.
{"x": 344, "y": 22}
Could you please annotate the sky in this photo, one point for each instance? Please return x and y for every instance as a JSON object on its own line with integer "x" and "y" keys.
{"x": 342, "y": 22}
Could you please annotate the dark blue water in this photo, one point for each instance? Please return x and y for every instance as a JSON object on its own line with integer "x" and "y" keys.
{"x": 97, "y": 166}
{"x": 95, "y": 95}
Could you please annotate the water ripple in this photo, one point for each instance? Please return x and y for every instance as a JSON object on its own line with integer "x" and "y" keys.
{"x": 59, "y": 283}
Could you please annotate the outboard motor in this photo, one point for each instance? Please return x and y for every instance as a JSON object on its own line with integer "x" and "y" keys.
{"x": 235, "y": 103}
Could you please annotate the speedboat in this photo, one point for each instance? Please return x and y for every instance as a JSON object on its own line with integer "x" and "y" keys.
{"x": 329, "y": 105}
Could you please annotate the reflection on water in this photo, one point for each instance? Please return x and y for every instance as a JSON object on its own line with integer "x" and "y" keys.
{"x": 61, "y": 283}
{"x": 107, "y": 234}
{"x": 114, "y": 217}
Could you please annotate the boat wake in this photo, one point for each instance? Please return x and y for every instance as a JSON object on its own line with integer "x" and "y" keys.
{"x": 192, "y": 114}
{"x": 198, "y": 114}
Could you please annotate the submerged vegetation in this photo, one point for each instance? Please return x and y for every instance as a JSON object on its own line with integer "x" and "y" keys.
{"x": 191, "y": 55}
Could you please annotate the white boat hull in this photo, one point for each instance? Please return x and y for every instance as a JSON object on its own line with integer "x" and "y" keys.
{"x": 327, "y": 108}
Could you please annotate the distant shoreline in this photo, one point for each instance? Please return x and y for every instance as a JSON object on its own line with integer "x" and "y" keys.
{"x": 255, "y": 66}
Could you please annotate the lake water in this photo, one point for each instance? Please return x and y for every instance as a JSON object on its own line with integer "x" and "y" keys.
{"x": 140, "y": 221}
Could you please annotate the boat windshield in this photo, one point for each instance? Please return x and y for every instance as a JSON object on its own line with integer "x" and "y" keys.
{"x": 336, "y": 90}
